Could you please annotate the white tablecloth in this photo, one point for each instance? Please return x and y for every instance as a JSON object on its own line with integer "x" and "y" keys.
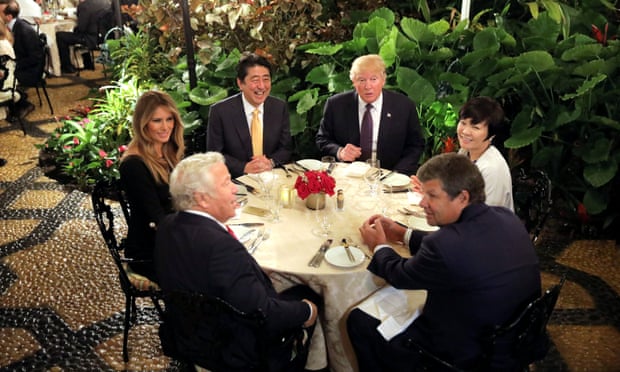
{"x": 292, "y": 244}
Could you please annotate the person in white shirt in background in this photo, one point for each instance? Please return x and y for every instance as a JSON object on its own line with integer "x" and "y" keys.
{"x": 30, "y": 10}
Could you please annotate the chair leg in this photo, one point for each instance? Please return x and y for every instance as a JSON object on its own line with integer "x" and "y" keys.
{"x": 39, "y": 95}
{"x": 128, "y": 301}
{"x": 49, "y": 103}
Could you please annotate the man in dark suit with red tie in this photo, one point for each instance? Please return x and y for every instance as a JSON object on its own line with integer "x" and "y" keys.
{"x": 230, "y": 128}
{"x": 369, "y": 120}
{"x": 195, "y": 253}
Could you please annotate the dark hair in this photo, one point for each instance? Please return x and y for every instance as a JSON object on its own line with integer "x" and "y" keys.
{"x": 456, "y": 173}
{"x": 248, "y": 60}
{"x": 12, "y": 8}
{"x": 480, "y": 109}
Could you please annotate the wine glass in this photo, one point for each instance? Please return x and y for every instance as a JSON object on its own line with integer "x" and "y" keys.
{"x": 324, "y": 219}
{"x": 372, "y": 176}
{"x": 265, "y": 182}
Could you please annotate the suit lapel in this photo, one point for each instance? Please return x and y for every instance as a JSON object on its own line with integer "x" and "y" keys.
{"x": 240, "y": 123}
{"x": 354, "y": 119}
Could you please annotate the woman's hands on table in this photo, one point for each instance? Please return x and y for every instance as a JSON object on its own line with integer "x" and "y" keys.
{"x": 378, "y": 229}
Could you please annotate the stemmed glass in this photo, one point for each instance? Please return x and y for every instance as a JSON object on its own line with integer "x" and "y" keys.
{"x": 265, "y": 182}
{"x": 324, "y": 219}
{"x": 372, "y": 176}
{"x": 275, "y": 205}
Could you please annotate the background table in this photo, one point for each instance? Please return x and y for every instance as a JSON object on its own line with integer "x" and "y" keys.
{"x": 49, "y": 29}
{"x": 292, "y": 244}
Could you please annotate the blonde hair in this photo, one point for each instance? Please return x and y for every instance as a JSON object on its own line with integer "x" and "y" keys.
{"x": 367, "y": 63}
{"x": 5, "y": 33}
{"x": 143, "y": 145}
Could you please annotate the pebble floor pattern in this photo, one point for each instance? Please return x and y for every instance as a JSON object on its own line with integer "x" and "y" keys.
{"x": 61, "y": 308}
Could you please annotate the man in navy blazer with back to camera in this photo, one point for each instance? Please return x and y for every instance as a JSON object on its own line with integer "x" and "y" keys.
{"x": 479, "y": 270}
{"x": 392, "y": 130}
{"x": 251, "y": 129}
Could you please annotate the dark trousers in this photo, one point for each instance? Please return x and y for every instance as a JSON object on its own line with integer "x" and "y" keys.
{"x": 64, "y": 39}
{"x": 374, "y": 353}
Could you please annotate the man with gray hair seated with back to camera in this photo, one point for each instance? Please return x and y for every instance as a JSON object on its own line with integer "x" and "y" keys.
{"x": 196, "y": 252}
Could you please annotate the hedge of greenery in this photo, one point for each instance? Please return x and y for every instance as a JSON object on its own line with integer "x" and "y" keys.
{"x": 555, "y": 78}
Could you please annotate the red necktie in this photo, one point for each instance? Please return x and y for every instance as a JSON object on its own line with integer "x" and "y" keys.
{"x": 231, "y": 232}
{"x": 366, "y": 134}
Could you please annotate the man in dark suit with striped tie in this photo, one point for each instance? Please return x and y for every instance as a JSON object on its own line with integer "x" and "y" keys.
{"x": 369, "y": 120}
{"x": 251, "y": 129}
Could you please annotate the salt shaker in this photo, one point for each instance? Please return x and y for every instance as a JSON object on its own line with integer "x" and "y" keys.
{"x": 340, "y": 200}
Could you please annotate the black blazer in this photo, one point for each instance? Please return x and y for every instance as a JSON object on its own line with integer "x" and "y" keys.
{"x": 29, "y": 54}
{"x": 193, "y": 253}
{"x": 400, "y": 143}
{"x": 228, "y": 132}
{"x": 479, "y": 272}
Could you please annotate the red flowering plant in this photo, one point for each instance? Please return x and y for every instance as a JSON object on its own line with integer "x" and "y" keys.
{"x": 314, "y": 182}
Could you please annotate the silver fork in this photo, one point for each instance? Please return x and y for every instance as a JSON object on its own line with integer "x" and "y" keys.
{"x": 258, "y": 241}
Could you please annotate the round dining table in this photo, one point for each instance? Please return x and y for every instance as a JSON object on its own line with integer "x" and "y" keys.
{"x": 295, "y": 239}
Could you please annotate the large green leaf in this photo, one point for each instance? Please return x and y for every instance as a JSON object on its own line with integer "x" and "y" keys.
{"x": 388, "y": 48}
{"x": 582, "y": 52}
{"x": 586, "y": 87}
{"x": 415, "y": 86}
{"x": 307, "y": 100}
{"x": 599, "y": 174}
{"x": 416, "y": 30}
{"x": 207, "y": 97}
{"x": 325, "y": 50}
{"x": 597, "y": 150}
{"x": 386, "y": 14}
{"x": 595, "y": 201}
{"x": 523, "y": 138}
{"x": 537, "y": 60}
{"x": 439, "y": 28}
{"x": 321, "y": 74}
{"x": 598, "y": 66}
{"x": 486, "y": 40}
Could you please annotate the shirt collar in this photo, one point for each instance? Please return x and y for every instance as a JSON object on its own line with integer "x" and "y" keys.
{"x": 377, "y": 104}
{"x": 249, "y": 108}
{"x": 207, "y": 215}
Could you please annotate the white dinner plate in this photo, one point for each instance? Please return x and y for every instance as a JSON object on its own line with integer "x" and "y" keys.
{"x": 419, "y": 223}
{"x": 311, "y": 164}
{"x": 337, "y": 256}
{"x": 396, "y": 180}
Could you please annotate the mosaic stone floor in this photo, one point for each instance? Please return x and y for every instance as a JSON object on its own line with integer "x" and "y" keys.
{"x": 61, "y": 308}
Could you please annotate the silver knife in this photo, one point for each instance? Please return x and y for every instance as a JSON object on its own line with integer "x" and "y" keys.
{"x": 348, "y": 250}
{"x": 318, "y": 257}
{"x": 301, "y": 166}
{"x": 247, "y": 224}
{"x": 386, "y": 175}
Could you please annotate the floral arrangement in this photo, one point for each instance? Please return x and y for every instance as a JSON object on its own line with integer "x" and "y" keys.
{"x": 314, "y": 182}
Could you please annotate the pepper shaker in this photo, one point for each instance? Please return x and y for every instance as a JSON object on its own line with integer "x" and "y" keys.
{"x": 340, "y": 200}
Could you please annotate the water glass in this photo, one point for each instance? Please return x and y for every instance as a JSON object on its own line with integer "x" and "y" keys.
{"x": 372, "y": 176}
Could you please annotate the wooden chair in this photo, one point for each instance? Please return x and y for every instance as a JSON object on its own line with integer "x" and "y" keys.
{"x": 532, "y": 199}
{"x": 133, "y": 285}
{"x": 524, "y": 338}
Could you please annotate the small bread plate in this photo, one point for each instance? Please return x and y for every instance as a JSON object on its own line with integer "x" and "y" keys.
{"x": 337, "y": 256}
{"x": 396, "y": 180}
{"x": 419, "y": 223}
{"x": 311, "y": 164}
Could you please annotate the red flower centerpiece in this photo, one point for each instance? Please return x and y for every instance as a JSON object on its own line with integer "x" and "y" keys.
{"x": 314, "y": 182}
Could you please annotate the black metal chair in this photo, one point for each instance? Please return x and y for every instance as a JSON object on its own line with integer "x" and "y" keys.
{"x": 133, "y": 285}
{"x": 532, "y": 199}
{"x": 41, "y": 72}
{"x": 524, "y": 338}
{"x": 200, "y": 330}
{"x": 5, "y": 72}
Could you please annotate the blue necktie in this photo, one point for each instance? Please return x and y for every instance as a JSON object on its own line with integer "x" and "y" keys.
{"x": 366, "y": 134}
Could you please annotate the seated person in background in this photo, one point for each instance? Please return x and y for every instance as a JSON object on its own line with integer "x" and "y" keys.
{"x": 393, "y": 129}
{"x": 89, "y": 15}
{"x": 480, "y": 121}
{"x": 480, "y": 270}
{"x": 251, "y": 145}
{"x": 195, "y": 253}
{"x": 27, "y": 53}
{"x": 156, "y": 148}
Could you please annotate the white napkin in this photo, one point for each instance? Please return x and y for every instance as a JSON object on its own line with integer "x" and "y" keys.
{"x": 356, "y": 169}
{"x": 395, "y": 308}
